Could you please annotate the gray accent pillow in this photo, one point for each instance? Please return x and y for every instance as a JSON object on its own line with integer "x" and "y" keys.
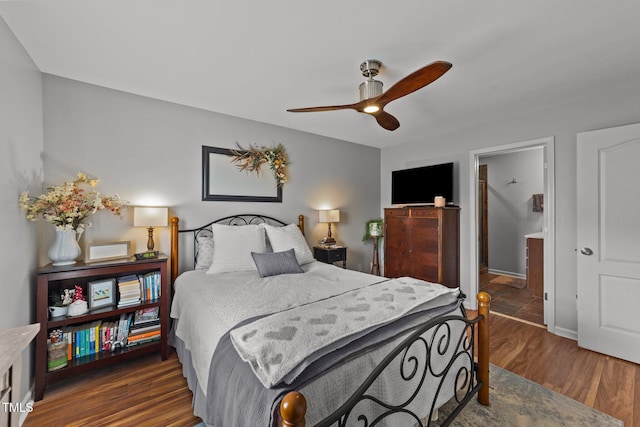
{"x": 275, "y": 263}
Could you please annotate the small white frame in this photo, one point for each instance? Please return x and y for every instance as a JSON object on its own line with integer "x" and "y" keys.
{"x": 107, "y": 251}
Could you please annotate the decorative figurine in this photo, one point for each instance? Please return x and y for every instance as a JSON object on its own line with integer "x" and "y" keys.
{"x": 79, "y": 305}
{"x": 66, "y": 299}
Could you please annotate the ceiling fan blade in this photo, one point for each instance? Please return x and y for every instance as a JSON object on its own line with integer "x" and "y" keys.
{"x": 414, "y": 81}
{"x": 355, "y": 106}
{"x": 386, "y": 120}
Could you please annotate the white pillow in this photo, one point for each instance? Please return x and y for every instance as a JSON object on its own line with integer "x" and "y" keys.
{"x": 233, "y": 246}
{"x": 288, "y": 237}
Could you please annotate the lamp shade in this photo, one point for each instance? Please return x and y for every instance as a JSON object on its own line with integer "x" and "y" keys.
{"x": 331, "y": 215}
{"x": 150, "y": 216}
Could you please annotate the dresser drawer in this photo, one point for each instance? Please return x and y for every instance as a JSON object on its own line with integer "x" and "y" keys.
{"x": 425, "y": 212}
{"x": 396, "y": 212}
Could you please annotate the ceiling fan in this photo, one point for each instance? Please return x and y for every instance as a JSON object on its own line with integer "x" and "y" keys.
{"x": 373, "y": 100}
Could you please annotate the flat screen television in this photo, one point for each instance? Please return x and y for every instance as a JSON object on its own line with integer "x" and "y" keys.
{"x": 419, "y": 186}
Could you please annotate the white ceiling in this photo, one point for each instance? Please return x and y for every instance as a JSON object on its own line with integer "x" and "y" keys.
{"x": 255, "y": 59}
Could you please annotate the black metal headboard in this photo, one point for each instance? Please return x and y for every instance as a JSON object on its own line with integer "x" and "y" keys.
{"x": 205, "y": 230}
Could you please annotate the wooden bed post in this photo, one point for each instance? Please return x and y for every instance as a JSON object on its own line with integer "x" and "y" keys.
{"x": 484, "y": 302}
{"x": 301, "y": 223}
{"x": 174, "y": 248}
{"x": 293, "y": 409}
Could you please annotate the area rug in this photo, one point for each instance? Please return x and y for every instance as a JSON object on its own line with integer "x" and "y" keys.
{"x": 516, "y": 401}
{"x": 514, "y": 282}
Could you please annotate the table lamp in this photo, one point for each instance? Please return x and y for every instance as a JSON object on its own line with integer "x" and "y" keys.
{"x": 150, "y": 217}
{"x": 329, "y": 216}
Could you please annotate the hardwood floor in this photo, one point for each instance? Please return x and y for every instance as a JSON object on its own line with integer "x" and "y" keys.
{"x": 139, "y": 393}
{"x": 149, "y": 392}
{"x": 608, "y": 384}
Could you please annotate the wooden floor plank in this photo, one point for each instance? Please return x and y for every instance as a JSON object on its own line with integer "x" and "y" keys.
{"x": 616, "y": 390}
{"x": 636, "y": 396}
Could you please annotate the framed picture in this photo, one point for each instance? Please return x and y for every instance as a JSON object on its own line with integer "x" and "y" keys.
{"x": 95, "y": 252}
{"x": 223, "y": 181}
{"x": 102, "y": 293}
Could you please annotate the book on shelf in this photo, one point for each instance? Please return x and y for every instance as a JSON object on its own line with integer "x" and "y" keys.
{"x": 83, "y": 340}
{"x": 141, "y": 336}
{"x": 123, "y": 331}
{"x": 133, "y": 289}
{"x": 147, "y": 327}
{"x": 129, "y": 290}
{"x": 143, "y": 341}
{"x": 151, "y": 286}
{"x": 91, "y": 338}
{"x": 146, "y": 315}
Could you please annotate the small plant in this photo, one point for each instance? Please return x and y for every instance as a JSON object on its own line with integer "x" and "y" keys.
{"x": 373, "y": 229}
{"x": 55, "y": 299}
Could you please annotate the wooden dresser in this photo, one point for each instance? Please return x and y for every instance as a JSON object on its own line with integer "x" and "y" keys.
{"x": 423, "y": 242}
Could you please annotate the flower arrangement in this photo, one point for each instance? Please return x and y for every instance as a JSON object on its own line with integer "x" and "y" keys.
{"x": 252, "y": 159}
{"x": 67, "y": 206}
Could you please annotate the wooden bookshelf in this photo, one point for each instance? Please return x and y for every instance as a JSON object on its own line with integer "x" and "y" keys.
{"x": 51, "y": 278}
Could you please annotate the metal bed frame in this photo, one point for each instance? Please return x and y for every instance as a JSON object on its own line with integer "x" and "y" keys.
{"x": 433, "y": 336}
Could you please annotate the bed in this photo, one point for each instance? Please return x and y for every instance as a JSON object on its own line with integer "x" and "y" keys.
{"x": 268, "y": 336}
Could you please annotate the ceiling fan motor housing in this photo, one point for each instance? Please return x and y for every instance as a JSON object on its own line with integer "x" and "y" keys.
{"x": 370, "y": 89}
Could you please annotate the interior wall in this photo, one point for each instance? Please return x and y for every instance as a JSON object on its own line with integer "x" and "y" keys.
{"x": 20, "y": 169}
{"x": 609, "y": 105}
{"x": 510, "y": 203}
{"x": 149, "y": 152}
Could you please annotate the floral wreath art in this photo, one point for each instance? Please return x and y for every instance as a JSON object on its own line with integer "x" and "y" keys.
{"x": 252, "y": 159}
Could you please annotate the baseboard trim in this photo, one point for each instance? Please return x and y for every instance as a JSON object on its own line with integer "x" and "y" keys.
{"x": 566, "y": 333}
{"x": 507, "y": 273}
{"x": 27, "y": 402}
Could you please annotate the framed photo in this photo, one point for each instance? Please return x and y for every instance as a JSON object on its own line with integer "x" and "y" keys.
{"x": 95, "y": 252}
{"x": 223, "y": 181}
{"x": 102, "y": 293}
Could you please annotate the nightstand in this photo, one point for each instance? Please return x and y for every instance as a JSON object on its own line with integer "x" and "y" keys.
{"x": 331, "y": 254}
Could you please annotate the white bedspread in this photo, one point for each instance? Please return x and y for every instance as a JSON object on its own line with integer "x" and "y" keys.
{"x": 221, "y": 301}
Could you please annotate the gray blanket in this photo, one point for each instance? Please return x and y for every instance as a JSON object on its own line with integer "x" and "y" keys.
{"x": 235, "y": 396}
{"x": 275, "y": 345}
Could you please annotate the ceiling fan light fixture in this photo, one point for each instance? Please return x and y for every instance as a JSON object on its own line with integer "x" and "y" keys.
{"x": 371, "y": 109}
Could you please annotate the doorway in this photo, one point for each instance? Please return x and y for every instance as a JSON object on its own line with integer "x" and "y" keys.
{"x": 506, "y": 209}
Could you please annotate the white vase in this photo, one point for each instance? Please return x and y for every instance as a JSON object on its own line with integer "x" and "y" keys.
{"x": 65, "y": 249}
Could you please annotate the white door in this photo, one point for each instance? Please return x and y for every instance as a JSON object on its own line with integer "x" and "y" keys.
{"x": 608, "y": 174}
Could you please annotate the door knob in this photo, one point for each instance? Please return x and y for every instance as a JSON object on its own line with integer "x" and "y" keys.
{"x": 586, "y": 251}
